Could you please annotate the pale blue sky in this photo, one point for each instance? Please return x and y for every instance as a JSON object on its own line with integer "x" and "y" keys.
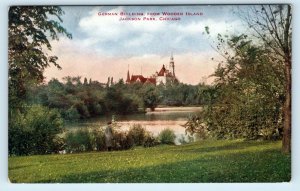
{"x": 179, "y": 36}
{"x": 103, "y": 46}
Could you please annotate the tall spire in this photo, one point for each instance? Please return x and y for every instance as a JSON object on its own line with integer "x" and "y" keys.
{"x": 172, "y": 65}
{"x": 128, "y": 76}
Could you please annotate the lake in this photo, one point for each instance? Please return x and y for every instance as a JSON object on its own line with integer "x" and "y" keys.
{"x": 162, "y": 118}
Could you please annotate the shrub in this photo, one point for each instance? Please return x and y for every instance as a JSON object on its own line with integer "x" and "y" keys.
{"x": 35, "y": 131}
{"x": 97, "y": 109}
{"x": 87, "y": 139}
{"x": 98, "y": 139}
{"x": 59, "y": 144}
{"x": 138, "y": 134}
{"x": 122, "y": 141}
{"x": 71, "y": 114}
{"x": 82, "y": 110}
{"x": 150, "y": 140}
{"x": 72, "y": 144}
{"x": 167, "y": 136}
{"x": 79, "y": 141}
{"x": 18, "y": 136}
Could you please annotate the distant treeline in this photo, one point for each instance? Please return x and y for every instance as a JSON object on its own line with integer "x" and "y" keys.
{"x": 80, "y": 100}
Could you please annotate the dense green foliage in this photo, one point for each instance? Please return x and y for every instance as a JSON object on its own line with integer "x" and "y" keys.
{"x": 90, "y": 139}
{"x": 150, "y": 97}
{"x": 138, "y": 134}
{"x": 35, "y": 131}
{"x": 196, "y": 126}
{"x": 29, "y": 32}
{"x": 182, "y": 94}
{"x": 141, "y": 137}
{"x": 150, "y": 140}
{"x": 167, "y": 136}
{"x": 80, "y": 140}
{"x": 206, "y": 161}
{"x": 76, "y": 100}
{"x": 248, "y": 94}
{"x": 251, "y": 91}
{"x": 98, "y": 139}
{"x": 253, "y": 82}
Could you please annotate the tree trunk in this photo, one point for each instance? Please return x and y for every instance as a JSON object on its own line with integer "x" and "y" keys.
{"x": 286, "y": 139}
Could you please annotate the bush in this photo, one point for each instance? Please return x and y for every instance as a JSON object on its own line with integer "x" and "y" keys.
{"x": 98, "y": 139}
{"x": 82, "y": 110}
{"x": 122, "y": 141}
{"x": 19, "y": 142}
{"x": 59, "y": 144}
{"x": 79, "y": 141}
{"x": 97, "y": 109}
{"x": 94, "y": 139}
{"x": 167, "y": 136}
{"x": 138, "y": 134}
{"x": 71, "y": 114}
{"x": 150, "y": 140}
{"x": 35, "y": 131}
{"x": 87, "y": 139}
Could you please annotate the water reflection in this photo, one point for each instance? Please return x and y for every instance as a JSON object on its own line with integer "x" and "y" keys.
{"x": 154, "y": 122}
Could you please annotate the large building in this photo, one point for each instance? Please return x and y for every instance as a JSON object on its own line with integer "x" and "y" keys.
{"x": 162, "y": 77}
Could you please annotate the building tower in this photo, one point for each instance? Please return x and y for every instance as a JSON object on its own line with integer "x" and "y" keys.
{"x": 128, "y": 76}
{"x": 171, "y": 65}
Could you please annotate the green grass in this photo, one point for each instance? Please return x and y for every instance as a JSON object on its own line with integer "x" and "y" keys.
{"x": 207, "y": 161}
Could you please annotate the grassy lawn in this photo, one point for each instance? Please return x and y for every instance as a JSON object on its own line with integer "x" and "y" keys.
{"x": 206, "y": 161}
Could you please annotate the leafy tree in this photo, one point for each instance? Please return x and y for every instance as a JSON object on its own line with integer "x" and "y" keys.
{"x": 32, "y": 129}
{"x": 29, "y": 31}
{"x": 206, "y": 94}
{"x": 179, "y": 94}
{"x": 150, "y": 96}
{"x": 71, "y": 114}
{"x": 272, "y": 26}
{"x": 85, "y": 82}
{"x": 247, "y": 98}
{"x": 54, "y": 95}
{"x": 76, "y": 100}
{"x": 253, "y": 85}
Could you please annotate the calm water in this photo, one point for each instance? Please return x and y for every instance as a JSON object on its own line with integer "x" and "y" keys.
{"x": 161, "y": 118}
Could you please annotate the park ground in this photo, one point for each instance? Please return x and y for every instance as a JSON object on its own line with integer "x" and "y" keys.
{"x": 204, "y": 161}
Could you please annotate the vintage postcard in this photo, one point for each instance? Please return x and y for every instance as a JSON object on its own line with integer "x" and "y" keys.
{"x": 150, "y": 93}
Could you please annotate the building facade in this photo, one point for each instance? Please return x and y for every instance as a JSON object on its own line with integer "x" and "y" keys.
{"x": 164, "y": 75}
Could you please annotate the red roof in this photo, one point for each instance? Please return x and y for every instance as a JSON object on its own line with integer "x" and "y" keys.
{"x": 162, "y": 71}
{"x": 135, "y": 78}
{"x": 151, "y": 80}
{"x": 142, "y": 79}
